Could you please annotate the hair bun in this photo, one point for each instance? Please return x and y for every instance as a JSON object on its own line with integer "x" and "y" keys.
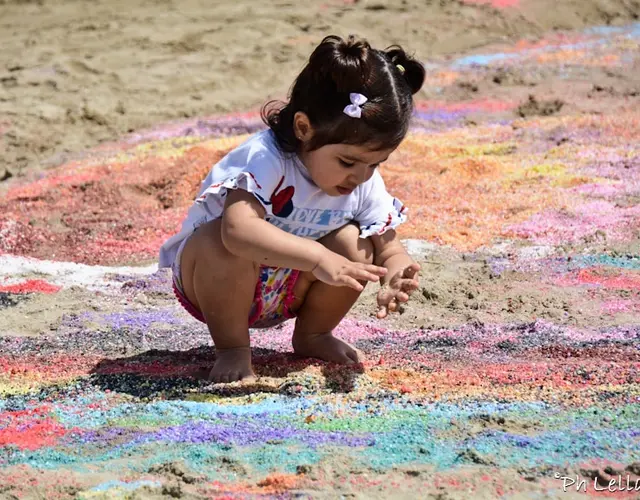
{"x": 414, "y": 72}
{"x": 354, "y": 48}
{"x": 345, "y": 62}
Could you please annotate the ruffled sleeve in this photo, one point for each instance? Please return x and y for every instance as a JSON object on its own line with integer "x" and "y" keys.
{"x": 261, "y": 173}
{"x": 379, "y": 210}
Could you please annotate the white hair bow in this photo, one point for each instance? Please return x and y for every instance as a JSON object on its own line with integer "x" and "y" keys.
{"x": 354, "y": 110}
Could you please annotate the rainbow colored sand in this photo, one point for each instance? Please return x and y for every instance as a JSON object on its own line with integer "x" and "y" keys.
{"x": 111, "y": 402}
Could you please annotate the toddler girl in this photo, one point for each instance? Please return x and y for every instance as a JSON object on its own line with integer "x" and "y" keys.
{"x": 295, "y": 221}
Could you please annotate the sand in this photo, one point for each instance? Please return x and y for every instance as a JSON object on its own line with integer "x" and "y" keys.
{"x": 517, "y": 361}
{"x": 76, "y": 73}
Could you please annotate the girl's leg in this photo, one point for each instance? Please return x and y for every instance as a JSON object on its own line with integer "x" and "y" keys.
{"x": 320, "y": 307}
{"x": 222, "y": 286}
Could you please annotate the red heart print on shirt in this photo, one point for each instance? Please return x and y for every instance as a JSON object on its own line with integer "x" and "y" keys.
{"x": 282, "y": 202}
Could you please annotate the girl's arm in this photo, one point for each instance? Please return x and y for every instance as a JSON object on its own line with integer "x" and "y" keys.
{"x": 390, "y": 253}
{"x": 246, "y": 234}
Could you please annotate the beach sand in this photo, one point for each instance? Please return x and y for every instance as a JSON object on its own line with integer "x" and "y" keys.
{"x": 76, "y": 73}
{"x": 516, "y": 360}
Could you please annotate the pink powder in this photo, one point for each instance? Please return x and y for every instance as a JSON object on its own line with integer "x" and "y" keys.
{"x": 595, "y": 276}
{"x": 477, "y": 105}
{"x": 498, "y": 4}
{"x": 30, "y": 286}
{"x": 557, "y": 227}
{"x": 618, "y": 306}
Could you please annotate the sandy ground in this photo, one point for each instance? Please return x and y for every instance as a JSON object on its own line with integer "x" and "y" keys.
{"x": 75, "y": 73}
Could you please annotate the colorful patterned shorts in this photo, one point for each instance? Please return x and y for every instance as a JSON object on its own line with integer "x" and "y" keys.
{"x": 271, "y": 301}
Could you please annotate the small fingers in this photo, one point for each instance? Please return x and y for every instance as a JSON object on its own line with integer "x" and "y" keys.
{"x": 377, "y": 270}
{"x": 402, "y": 297}
{"x": 411, "y": 270}
{"x": 385, "y": 294}
{"x": 365, "y": 275}
{"x": 352, "y": 283}
{"x": 382, "y": 312}
{"x": 409, "y": 285}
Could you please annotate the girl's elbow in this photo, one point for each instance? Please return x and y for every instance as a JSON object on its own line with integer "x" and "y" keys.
{"x": 231, "y": 235}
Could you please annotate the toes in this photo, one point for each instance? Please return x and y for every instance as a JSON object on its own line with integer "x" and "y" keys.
{"x": 357, "y": 355}
{"x": 213, "y": 376}
{"x": 221, "y": 377}
{"x": 342, "y": 357}
{"x": 348, "y": 360}
{"x": 226, "y": 377}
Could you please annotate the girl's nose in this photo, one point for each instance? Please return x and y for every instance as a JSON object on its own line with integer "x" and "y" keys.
{"x": 359, "y": 177}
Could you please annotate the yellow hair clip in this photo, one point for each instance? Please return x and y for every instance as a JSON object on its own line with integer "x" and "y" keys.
{"x": 400, "y": 68}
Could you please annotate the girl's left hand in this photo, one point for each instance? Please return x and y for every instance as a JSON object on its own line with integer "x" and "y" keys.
{"x": 398, "y": 289}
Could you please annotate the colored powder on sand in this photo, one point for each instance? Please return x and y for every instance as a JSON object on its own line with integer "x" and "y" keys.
{"x": 29, "y": 429}
{"x": 482, "y": 60}
{"x": 29, "y": 371}
{"x": 251, "y": 432}
{"x": 274, "y": 483}
{"x": 400, "y": 432}
{"x": 113, "y": 401}
{"x": 555, "y": 266}
{"x": 30, "y": 286}
{"x": 593, "y": 220}
{"x": 608, "y": 190}
{"x": 605, "y": 279}
{"x": 620, "y": 305}
{"x": 225, "y": 126}
{"x": 110, "y": 486}
{"x": 465, "y": 107}
{"x": 463, "y": 187}
{"x": 498, "y": 4}
{"x": 138, "y": 319}
{"x": 66, "y": 274}
{"x": 591, "y": 48}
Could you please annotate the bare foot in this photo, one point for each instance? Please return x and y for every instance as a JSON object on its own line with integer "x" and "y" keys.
{"x": 327, "y": 347}
{"x": 231, "y": 365}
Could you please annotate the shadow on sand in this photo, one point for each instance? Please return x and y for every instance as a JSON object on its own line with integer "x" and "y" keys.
{"x": 166, "y": 374}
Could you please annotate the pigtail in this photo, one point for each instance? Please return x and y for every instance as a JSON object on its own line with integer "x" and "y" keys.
{"x": 278, "y": 116}
{"x": 412, "y": 70}
{"x": 344, "y": 62}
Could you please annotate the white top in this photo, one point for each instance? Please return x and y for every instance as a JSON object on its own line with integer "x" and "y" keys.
{"x": 281, "y": 183}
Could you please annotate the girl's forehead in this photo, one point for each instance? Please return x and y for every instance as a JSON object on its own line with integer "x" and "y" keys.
{"x": 362, "y": 152}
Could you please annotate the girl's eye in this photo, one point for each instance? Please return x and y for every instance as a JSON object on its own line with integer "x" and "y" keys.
{"x": 345, "y": 163}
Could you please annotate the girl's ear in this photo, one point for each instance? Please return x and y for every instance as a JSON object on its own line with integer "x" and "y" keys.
{"x": 302, "y": 126}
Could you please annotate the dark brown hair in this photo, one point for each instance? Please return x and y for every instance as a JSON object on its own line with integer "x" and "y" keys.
{"x": 387, "y": 78}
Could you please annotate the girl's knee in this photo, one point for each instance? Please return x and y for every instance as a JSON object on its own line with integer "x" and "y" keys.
{"x": 207, "y": 240}
{"x": 206, "y": 247}
{"x": 346, "y": 241}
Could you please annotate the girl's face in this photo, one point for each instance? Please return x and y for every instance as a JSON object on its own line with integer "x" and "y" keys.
{"x": 338, "y": 169}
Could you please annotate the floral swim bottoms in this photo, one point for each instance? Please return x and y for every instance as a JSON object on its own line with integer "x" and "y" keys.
{"x": 271, "y": 300}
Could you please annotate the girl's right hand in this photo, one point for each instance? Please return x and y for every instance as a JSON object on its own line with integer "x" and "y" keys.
{"x": 336, "y": 270}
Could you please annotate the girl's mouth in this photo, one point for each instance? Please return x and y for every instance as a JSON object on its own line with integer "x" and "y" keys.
{"x": 344, "y": 191}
